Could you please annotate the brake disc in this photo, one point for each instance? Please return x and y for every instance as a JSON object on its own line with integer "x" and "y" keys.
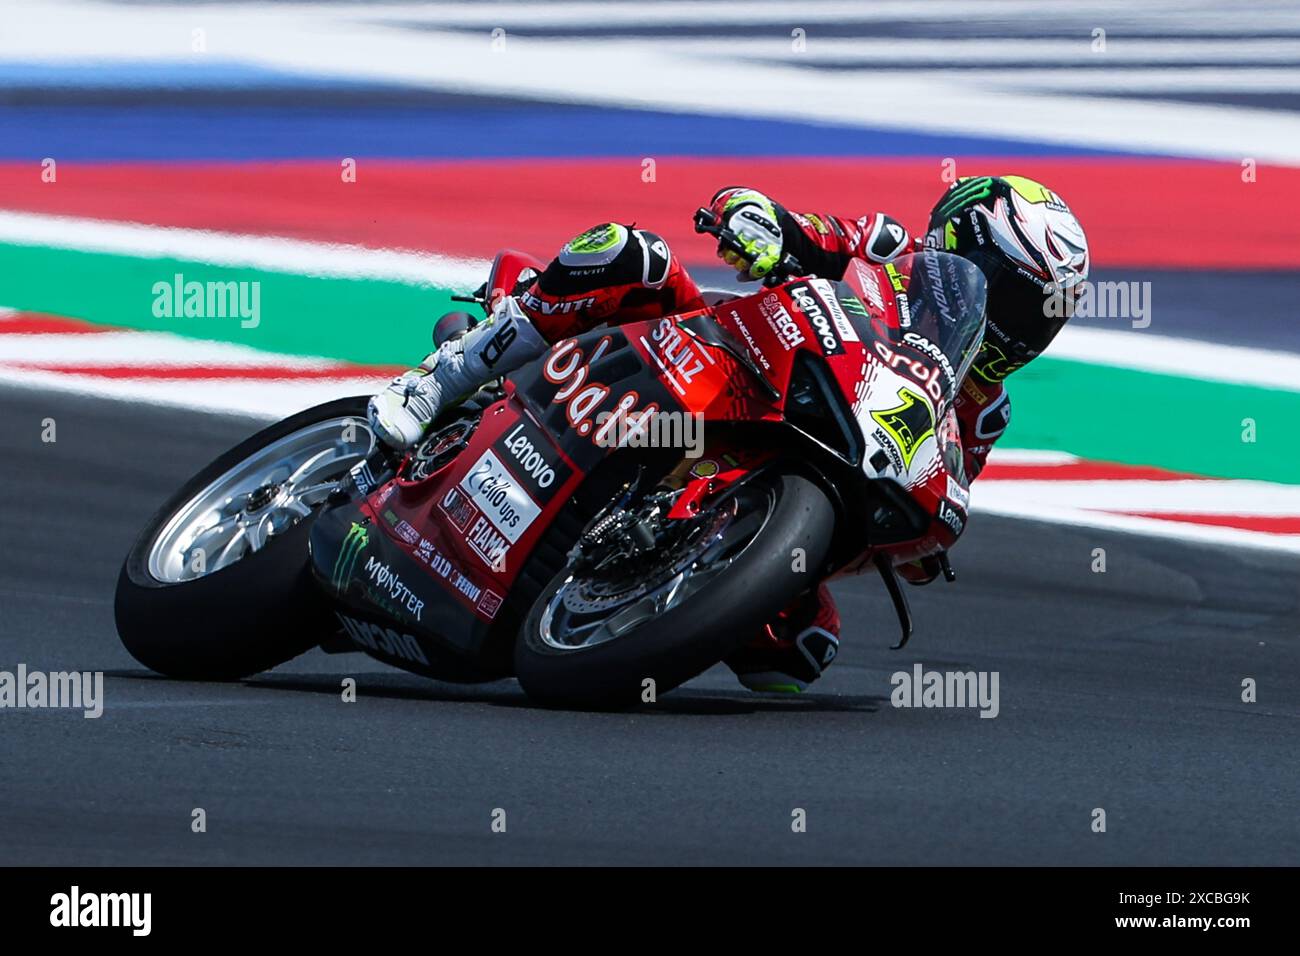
{"x": 638, "y": 576}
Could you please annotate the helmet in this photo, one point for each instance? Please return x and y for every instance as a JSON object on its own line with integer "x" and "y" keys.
{"x": 1031, "y": 250}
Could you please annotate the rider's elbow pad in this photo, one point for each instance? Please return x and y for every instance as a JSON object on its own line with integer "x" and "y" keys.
{"x": 885, "y": 238}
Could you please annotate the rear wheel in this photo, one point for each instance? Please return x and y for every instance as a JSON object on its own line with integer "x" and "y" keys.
{"x": 216, "y": 587}
{"x": 647, "y": 599}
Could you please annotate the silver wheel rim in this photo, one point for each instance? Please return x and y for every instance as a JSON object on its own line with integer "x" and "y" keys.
{"x": 258, "y": 499}
{"x": 560, "y": 629}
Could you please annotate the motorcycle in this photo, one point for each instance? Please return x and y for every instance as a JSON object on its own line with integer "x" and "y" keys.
{"x": 604, "y": 523}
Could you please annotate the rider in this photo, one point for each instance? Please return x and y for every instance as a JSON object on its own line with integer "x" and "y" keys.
{"x": 1023, "y": 237}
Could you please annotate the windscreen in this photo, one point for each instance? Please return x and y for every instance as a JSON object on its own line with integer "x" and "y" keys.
{"x": 940, "y": 308}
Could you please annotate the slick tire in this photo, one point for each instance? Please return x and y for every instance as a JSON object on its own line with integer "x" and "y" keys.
{"x": 240, "y": 620}
{"x": 702, "y": 630}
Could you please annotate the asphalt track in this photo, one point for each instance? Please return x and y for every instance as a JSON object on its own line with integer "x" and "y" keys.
{"x": 1118, "y": 690}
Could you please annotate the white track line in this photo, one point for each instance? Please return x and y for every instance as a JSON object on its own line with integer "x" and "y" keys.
{"x": 274, "y": 254}
{"x": 254, "y": 398}
{"x": 1030, "y": 456}
{"x": 271, "y": 400}
{"x": 139, "y": 348}
{"x": 1174, "y": 356}
{"x": 1229, "y": 496}
{"x": 1183, "y": 531}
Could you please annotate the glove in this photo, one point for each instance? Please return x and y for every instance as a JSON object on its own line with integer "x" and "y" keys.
{"x": 754, "y": 219}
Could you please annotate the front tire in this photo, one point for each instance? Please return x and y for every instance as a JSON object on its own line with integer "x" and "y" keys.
{"x": 672, "y": 645}
{"x": 257, "y": 607}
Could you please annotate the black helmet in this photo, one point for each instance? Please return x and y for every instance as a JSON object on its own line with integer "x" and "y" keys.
{"x": 1031, "y": 250}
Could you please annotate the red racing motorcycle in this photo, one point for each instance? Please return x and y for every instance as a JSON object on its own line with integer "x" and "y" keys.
{"x": 617, "y": 516}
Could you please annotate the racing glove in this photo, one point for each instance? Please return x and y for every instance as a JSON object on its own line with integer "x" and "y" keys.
{"x": 823, "y": 244}
{"x": 755, "y": 220}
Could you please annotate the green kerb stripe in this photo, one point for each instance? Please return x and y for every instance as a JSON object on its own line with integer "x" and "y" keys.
{"x": 1138, "y": 417}
{"x": 361, "y": 320}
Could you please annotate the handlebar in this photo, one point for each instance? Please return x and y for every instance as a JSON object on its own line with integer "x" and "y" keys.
{"x": 787, "y": 268}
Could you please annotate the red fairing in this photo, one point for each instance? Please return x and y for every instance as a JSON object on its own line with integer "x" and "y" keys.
{"x": 933, "y": 483}
{"x": 773, "y": 326}
{"x": 509, "y": 268}
{"x": 702, "y": 379}
{"x": 454, "y": 523}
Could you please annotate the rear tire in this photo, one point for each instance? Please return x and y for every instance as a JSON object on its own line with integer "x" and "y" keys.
{"x": 247, "y": 617}
{"x": 692, "y": 636}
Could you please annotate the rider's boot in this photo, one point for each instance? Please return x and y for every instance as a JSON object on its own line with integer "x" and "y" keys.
{"x": 504, "y": 341}
{"x": 792, "y": 651}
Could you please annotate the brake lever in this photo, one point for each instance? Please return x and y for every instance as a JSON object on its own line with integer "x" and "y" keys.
{"x": 705, "y": 221}
{"x": 478, "y": 297}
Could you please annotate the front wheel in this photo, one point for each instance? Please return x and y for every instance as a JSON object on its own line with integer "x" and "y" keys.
{"x": 217, "y": 585}
{"x": 645, "y": 599}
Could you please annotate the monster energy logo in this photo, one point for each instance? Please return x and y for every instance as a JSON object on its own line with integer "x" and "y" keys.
{"x": 965, "y": 192}
{"x": 853, "y": 304}
{"x": 354, "y": 542}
